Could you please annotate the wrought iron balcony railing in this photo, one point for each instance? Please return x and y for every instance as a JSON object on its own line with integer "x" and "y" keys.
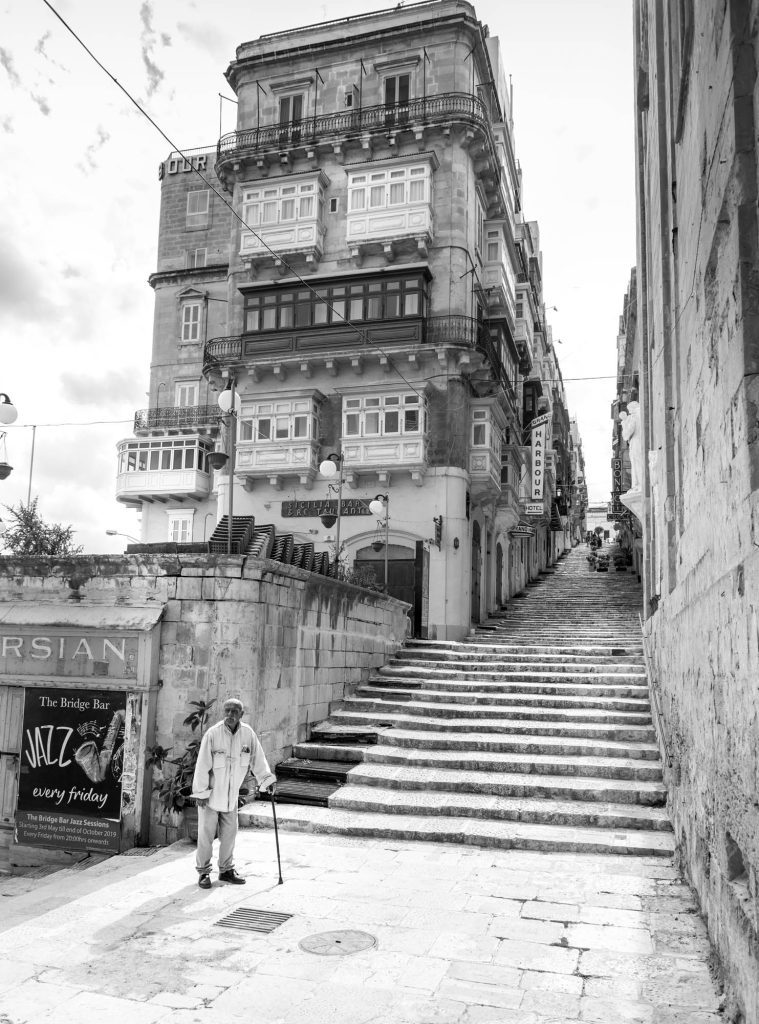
{"x": 440, "y": 108}
{"x": 438, "y": 330}
{"x": 177, "y": 418}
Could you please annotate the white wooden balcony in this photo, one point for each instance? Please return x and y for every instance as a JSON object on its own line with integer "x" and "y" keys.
{"x": 386, "y": 455}
{"x": 390, "y": 229}
{"x": 299, "y": 237}
{"x": 162, "y": 485}
{"x": 274, "y": 462}
{"x": 499, "y": 290}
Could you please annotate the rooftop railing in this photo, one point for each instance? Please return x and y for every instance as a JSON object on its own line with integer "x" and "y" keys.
{"x": 181, "y": 417}
{"x": 352, "y": 121}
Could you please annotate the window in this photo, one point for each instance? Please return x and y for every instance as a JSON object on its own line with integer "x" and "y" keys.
{"x": 197, "y": 209}
{"x": 381, "y": 190}
{"x": 186, "y": 394}
{"x": 280, "y": 421}
{"x": 493, "y": 249}
{"x": 480, "y": 425}
{"x": 397, "y": 92}
{"x": 180, "y": 526}
{"x": 190, "y": 322}
{"x": 196, "y": 258}
{"x": 384, "y": 416}
{"x": 291, "y": 108}
{"x": 156, "y": 454}
{"x": 283, "y": 204}
{"x": 384, "y": 298}
{"x": 520, "y": 309}
{"x": 290, "y": 118}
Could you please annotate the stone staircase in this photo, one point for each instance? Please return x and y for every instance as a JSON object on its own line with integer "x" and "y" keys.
{"x": 534, "y": 733}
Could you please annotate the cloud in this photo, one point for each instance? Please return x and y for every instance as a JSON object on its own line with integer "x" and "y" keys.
{"x": 41, "y": 103}
{"x": 20, "y": 292}
{"x": 6, "y": 60}
{"x": 7, "y": 126}
{"x": 207, "y": 37}
{"x": 92, "y": 149}
{"x": 108, "y": 390}
{"x": 147, "y": 38}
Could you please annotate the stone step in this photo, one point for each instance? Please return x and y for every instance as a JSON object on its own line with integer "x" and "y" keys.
{"x": 576, "y": 813}
{"x": 515, "y": 666}
{"x": 589, "y": 690}
{"x": 364, "y": 700}
{"x": 514, "y": 657}
{"x": 505, "y": 783}
{"x": 488, "y": 760}
{"x": 468, "y": 831}
{"x": 538, "y": 727}
{"x": 418, "y": 739}
{"x": 523, "y": 675}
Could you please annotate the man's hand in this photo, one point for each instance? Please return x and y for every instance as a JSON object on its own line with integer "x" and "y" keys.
{"x": 201, "y": 801}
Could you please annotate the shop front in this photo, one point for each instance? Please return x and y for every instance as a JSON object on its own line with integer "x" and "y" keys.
{"x": 78, "y": 690}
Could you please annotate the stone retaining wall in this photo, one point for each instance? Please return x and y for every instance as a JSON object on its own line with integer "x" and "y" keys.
{"x": 289, "y": 643}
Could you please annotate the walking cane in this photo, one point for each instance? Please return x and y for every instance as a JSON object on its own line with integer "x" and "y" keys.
{"x": 276, "y": 834}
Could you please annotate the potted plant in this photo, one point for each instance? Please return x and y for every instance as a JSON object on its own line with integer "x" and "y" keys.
{"x": 174, "y": 787}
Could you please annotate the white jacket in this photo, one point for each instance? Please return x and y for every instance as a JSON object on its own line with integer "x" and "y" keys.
{"x": 224, "y": 762}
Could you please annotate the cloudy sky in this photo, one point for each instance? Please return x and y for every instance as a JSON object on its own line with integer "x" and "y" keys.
{"x": 79, "y": 217}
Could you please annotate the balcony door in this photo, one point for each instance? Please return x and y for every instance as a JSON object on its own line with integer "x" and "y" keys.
{"x": 397, "y": 93}
{"x": 290, "y": 118}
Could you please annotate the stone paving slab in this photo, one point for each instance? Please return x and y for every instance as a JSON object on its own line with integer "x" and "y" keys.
{"x": 463, "y": 935}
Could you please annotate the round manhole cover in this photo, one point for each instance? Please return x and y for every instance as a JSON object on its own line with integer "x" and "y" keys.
{"x": 341, "y": 943}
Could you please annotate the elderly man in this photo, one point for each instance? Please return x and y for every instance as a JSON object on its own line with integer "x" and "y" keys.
{"x": 229, "y": 752}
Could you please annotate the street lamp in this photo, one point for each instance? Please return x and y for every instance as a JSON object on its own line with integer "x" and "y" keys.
{"x": 333, "y": 466}
{"x": 117, "y": 533}
{"x": 229, "y": 403}
{"x": 8, "y": 411}
{"x": 380, "y": 504}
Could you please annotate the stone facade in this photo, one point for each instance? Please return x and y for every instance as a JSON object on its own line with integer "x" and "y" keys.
{"x": 377, "y": 293}
{"x": 697, "y": 354}
{"x": 289, "y": 643}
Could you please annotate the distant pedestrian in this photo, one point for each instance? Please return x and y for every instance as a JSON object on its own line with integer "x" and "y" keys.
{"x": 229, "y": 753}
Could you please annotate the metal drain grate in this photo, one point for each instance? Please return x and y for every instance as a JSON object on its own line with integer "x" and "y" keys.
{"x": 247, "y": 919}
{"x": 141, "y": 851}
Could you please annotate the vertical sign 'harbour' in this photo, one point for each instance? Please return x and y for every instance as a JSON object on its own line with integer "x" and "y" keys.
{"x": 539, "y": 434}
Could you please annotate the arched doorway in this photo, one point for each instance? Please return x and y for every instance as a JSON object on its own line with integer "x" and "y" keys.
{"x": 400, "y": 571}
{"x": 498, "y": 575}
{"x": 476, "y": 571}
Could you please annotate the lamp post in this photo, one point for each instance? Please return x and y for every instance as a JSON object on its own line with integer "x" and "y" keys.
{"x": 8, "y": 414}
{"x": 380, "y": 504}
{"x": 209, "y": 515}
{"x": 333, "y": 465}
{"x": 229, "y": 403}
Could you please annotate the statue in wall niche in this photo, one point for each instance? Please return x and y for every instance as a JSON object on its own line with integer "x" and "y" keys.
{"x": 630, "y": 421}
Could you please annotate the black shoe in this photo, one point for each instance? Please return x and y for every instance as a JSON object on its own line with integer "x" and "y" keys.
{"x": 204, "y": 881}
{"x": 232, "y": 877}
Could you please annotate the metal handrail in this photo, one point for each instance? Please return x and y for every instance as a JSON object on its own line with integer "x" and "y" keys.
{"x": 425, "y": 109}
{"x": 653, "y": 687}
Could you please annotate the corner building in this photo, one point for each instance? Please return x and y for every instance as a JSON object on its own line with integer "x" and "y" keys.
{"x": 373, "y": 291}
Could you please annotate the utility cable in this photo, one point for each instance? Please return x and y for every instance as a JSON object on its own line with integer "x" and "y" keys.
{"x": 348, "y": 323}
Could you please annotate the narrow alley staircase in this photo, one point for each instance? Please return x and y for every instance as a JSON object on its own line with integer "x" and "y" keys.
{"x": 534, "y": 733}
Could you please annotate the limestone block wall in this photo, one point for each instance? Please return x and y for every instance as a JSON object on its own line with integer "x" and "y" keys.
{"x": 697, "y": 90}
{"x": 288, "y": 643}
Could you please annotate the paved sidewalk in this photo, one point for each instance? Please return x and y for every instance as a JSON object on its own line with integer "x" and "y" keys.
{"x": 463, "y": 936}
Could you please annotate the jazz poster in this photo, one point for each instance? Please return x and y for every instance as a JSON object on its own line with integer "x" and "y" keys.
{"x": 72, "y": 753}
